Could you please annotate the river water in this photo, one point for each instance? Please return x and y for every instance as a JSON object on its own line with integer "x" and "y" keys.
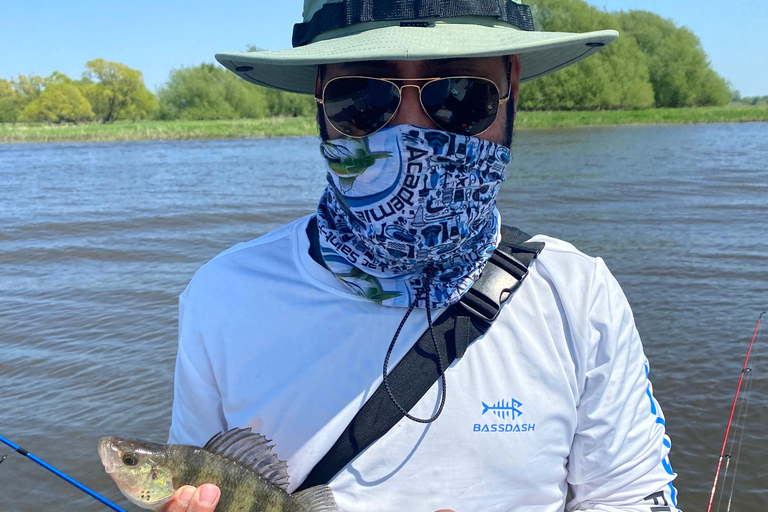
{"x": 98, "y": 240}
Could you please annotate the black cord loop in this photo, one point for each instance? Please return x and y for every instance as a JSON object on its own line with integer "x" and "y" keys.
{"x": 424, "y": 289}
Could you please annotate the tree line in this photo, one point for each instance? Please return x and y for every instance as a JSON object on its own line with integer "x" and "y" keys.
{"x": 110, "y": 91}
{"x": 107, "y": 91}
{"x": 751, "y": 100}
{"x": 654, "y": 63}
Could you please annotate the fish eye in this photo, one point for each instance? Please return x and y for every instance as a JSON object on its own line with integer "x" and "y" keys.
{"x": 130, "y": 460}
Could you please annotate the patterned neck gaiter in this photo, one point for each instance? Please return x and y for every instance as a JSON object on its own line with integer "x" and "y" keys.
{"x": 406, "y": 198}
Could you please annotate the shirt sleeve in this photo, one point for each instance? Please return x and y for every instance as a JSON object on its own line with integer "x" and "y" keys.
{"x": 197, "y": 406}
{"x": 618, "y": 460}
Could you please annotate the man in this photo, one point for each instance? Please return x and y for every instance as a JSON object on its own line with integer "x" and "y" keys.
{"x": 287, "y": 334}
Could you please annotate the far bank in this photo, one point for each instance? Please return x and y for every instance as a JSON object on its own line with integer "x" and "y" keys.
{"x": 305, "y": 126}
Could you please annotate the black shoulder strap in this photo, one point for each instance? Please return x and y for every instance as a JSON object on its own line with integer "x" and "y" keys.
{"x": 457, "y": 327}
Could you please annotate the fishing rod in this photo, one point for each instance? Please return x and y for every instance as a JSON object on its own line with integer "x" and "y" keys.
{"x": 744, "y": 371}
{"x": 60, "y": 474}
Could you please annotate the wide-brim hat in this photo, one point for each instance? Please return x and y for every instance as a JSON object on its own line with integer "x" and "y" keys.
{"x": 357, "y": 30}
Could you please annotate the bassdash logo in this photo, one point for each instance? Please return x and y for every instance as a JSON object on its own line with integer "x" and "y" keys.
{"x": 508, "y": 410}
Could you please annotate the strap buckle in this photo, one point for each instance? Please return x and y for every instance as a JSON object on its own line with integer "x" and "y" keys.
{"x": 500, "y": 279}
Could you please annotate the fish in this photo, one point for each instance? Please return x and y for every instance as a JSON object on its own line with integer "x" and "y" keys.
{"x": 348, "y": 163}
{"x": 503, "y": 409}
{"x": 240, "y": 462}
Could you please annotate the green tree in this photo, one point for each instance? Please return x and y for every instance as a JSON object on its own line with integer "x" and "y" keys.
{"x": 754, "y": 100}
{"x": 57, "y": 78}
{"x": 617, "y": 77}
{"x": 17, "y": 94}
{"x": 28, "y": 88}
{"x": 209, "y": 91}
{"x": 116, "y": 91}
{"x": 249, "y": 101}
{"x": 196, "y": 93}
{"x": 680, "y": 71}
{"x": 289, "y": 104}
{"x": 10, "y": 102}
{"x": 58, "y": 103}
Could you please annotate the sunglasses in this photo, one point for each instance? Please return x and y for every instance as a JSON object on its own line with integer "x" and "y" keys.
{"x": 358, "y": 106}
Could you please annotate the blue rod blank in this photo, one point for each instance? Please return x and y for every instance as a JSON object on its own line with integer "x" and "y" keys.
{"x": 62, "y": 475}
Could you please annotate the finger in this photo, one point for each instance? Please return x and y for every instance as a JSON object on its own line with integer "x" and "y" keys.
{"x": 180, "y": 500}
{"x": 204, "y": 499}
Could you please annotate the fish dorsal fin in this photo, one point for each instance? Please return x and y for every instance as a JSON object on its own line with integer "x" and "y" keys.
{"x": 316, "y": 499}
{"x": 252, "y": 451}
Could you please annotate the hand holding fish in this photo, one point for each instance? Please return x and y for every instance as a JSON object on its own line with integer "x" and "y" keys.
{"x": 247, "y": 476}
{"x": 193, "y": 499}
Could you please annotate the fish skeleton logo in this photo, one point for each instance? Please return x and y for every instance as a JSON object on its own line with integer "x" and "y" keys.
{"x": 504, "y": 409}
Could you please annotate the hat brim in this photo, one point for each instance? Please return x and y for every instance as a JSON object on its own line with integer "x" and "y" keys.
{"x": 295, "y": 70}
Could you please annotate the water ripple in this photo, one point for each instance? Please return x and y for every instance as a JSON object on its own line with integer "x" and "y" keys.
{"x": 98, "y": 240}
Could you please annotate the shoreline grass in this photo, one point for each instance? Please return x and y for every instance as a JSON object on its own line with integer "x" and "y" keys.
{"x": 695, "y": 115}
{"x": 305, "y": 126}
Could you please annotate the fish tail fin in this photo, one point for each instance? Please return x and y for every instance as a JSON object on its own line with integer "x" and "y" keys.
{"x": 316, "y": 499}
{"x": 485, "y": 407}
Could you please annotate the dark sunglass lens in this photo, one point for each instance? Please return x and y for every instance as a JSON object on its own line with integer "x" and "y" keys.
{"x": 461, "y": 105}
{"x": 359, "y": 106}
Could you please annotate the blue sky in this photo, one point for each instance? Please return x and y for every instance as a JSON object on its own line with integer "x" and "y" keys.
{"x": 157, "y": 36}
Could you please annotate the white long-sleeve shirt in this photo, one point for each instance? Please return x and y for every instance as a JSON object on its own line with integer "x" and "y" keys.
{"x": 555, "y": 395}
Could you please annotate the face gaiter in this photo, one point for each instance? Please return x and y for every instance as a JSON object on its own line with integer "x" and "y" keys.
{"x": 406, "y": 199}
